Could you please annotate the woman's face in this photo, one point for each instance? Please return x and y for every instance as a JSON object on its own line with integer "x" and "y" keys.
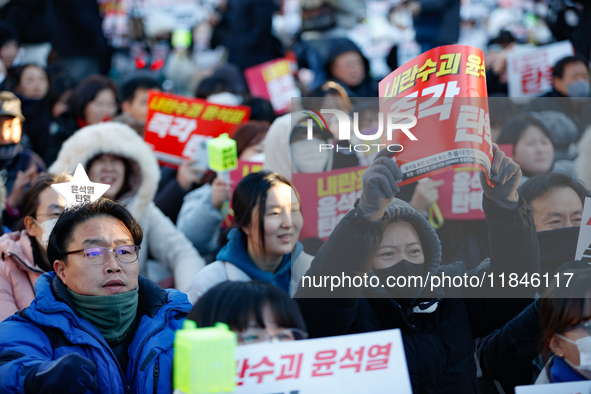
{"x": 257, "y": 334}
{"x": 534, "y": 151}
{"x": 51, "y": 206}
{"x": 102, "y": 108}
{"x": 283, "y": 224}
{"x": 252, "y": 150}
{"x": 61, "y": 105}
{"x": 8, "y": 53}
{"x": 33, "y": 83}
{"x": 400, "y": 242}
{"x": 108, "y": 169}
{"x": 566, "y": 349}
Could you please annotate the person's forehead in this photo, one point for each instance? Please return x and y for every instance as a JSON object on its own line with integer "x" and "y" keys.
{"x": 563, "y": 199}
{"x": 49, "y": 197}
{"x": 280, "y": 194}
{"x": 576, "y": 67}
{"x": 400, "y": 232}
{"x": 103, "y": 227}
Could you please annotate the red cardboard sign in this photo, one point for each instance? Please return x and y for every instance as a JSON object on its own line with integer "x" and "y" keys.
{"x": 244, "y": 168}
{"x": 176, "y": 126}
{"x": 326, "y": 197}
{"x": 273, "y": 81}
{"x": 460, "y": 197}
{"x": 445, "y": 88}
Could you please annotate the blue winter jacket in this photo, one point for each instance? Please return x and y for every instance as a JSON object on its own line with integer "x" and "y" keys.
{"x": 49, "y": 329}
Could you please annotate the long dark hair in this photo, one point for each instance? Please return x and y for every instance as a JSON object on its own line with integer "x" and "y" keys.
{"x": 237, "y": 303}
{"x": 251, "y": 196}
{"x": 31, "y": 197}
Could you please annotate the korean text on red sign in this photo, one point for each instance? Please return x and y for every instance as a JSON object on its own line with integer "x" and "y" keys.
{"x": 177, "y": 126}
{"x": 445, "y": 88}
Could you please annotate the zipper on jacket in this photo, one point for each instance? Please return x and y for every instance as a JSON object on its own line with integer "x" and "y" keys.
{"x": 19, "y": 261}
{"x": 136, "y": 358}
{"x": 125, "y": 385}
{"x": 156, "y": 374}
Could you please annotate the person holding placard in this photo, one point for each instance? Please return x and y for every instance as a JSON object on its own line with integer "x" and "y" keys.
{"x": 114, "y": 154}
{"x": 384, "y": 237}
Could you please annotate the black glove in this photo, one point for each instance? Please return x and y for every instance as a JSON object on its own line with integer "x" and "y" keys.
{"x": 505, "y": 175}
{"x": 380, "y": 185}
{"x": 71, "y": 373}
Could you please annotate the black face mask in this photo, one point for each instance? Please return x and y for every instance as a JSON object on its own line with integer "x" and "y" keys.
{"x": 403, "y": 268}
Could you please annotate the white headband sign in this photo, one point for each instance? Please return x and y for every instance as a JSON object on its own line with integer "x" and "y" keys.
{"x": 80, "y": 189}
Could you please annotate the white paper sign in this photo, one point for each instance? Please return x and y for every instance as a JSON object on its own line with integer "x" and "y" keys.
{"x": 556, "y": 388}
{"x": 349, "y": 364}
{"x": 529, "y": 68}
{"x": 584, "y": 243}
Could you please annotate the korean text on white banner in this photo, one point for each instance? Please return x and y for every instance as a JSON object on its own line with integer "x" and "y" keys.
{"x": 584, "y": 243}
{"x": 529, "y": 68}
{"x": 556, "y": 388}
{"x": 349, "y": 364}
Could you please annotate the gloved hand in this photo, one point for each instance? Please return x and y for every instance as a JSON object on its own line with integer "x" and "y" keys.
{"x": 71, "y": 373}
{"x": 505, "y": 175}
{"x": 380, "y": 185}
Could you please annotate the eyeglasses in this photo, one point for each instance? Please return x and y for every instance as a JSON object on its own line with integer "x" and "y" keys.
{"x": 98, "y": 256}
{"x": 259, "y": 335}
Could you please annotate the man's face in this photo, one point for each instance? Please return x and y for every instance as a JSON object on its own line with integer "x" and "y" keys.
{"x": 113, "y": 276}
{"x": 138, "y": 107}
{"x": 572, "y": 73}
{"x": 11, "y": 130}
{"x": 559, "y": 209}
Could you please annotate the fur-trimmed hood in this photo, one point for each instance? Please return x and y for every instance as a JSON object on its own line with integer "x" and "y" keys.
{"x": 120, "y": 140}
{"x": 583, "y": 161}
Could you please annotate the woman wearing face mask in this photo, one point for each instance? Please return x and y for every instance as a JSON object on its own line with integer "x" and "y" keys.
{"x": 532, "y": 146}
{"x": 565, "y": 318}
{"x": 201, "y": 216}
{"x": 386, "y": 239}
{"x": 24, "y": 256}
{"x": 256, "y": 311}
{"x": 263, "y": 242}
{"x": 114, "y": 154}
{"x": 93, "y": 101}
{"x": 288, "y": 149}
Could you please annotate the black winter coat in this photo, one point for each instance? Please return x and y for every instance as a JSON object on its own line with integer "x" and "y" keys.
{"x": 439, "y": 346}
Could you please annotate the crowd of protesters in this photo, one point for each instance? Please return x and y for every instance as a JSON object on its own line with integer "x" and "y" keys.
{"x": 91, "y": 294}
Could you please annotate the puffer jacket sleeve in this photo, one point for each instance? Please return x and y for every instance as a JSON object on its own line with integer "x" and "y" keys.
{"x": 514, "y": 250}
{"x": 349, "y": 251}
{"x": 507, "y": 352}
{"x": 22, "y": 346}
{"x": 200, "y": 221}
{"x": 169, "y": 246}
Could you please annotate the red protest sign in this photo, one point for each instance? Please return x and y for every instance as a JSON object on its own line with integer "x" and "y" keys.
{"x": 273, "y": 81}
{"x": 326, "y": 197}
{"x": 445, "y": 89}
{"x": 460, "y": 197}
{"x": 244, "y": 168}
{"x": 177, "y": 126}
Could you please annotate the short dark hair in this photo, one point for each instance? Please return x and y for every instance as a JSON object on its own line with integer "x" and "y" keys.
{"x": 514, "y": 128}
{"x": 31, "y": 197}
{"x": 250, "y": 193}
{"x": 63, "y": 231}
{"x": 18, "y": 72}
{"x": 260, "y": 109}
{"x": 213, "y": 85}
{"x": 237, "y": 303}
{"x": 558, "y": 70}
{"x": 542, "y": 185}
{"x": 87, "y": 91}
{"x": 128, "y": 88}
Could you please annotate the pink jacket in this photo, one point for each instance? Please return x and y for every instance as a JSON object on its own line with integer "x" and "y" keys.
{"x": 18, "y": 273}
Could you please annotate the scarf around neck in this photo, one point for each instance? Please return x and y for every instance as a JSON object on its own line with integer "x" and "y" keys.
{"x": 111, "y": 314}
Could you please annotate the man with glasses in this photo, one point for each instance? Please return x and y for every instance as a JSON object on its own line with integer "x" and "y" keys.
{"x": 95, "y": 324}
